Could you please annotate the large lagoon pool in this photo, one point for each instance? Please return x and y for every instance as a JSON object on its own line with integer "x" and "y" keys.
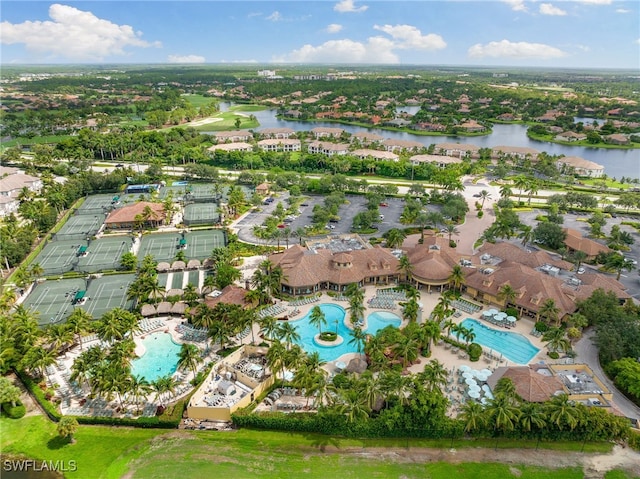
{"x": 513, "y": 346}
{"x": 336, "y": 316}
{"x": 160, "y": 357}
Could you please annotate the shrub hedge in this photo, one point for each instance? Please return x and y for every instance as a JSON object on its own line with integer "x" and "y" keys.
{"x": 14, "y": 412}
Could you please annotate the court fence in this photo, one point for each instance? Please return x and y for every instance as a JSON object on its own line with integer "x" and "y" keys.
{"x": 201, "y": 221}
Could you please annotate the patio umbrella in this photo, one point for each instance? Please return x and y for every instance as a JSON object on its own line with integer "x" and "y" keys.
{"x": 474, "y": 394}
{"x": 511, "y": 319}
{"x": 486, "y": 372}
{"x": 340, "y": 365}
{"x": 493, "y": 312}
{"x": 474, "y": 387}
{"x": 487, "y": 314}
{"x": 470, "y": 382}
{"x": 464, "y": 368}
{"x": 467, "y": 375}
{"x": 484, "y": 401}
{"x": 482, "y": 377}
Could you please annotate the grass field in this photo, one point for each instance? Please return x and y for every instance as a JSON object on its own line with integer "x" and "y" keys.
{"x": 102, "y": 452}
{"x": 228, "y": 122}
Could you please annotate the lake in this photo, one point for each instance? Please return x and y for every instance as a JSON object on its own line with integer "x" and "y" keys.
{"x": 617, "y": 163}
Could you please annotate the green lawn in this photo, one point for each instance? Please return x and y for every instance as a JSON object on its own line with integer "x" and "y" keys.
{"x": 104, "y": 452}
{"x": 198, "y": 100}
{"x": 229, "y": 122}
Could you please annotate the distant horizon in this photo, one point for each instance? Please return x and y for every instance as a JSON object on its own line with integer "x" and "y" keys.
{"x": 573, "y": 34}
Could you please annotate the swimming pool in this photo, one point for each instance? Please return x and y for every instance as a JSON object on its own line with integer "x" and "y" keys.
{"x": 180, "y": 183}
{"x": 160, "y": 357}
{"x": 336, "y": 316}
{"x": 513, "y": 346}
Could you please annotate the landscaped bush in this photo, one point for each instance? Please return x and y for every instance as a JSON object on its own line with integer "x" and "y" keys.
{"x": 452, "y": 244}
{"x": 480, "y": 214}
{"x": 14, "y": 412}
{"x": 512, "y": 312}
{"x": 541, "y": 327}
{"x": 39, "y": 395}
{"x": 328, "y": 336}
{"x": 475, "y": 351}
{"x": 553, "y": 355}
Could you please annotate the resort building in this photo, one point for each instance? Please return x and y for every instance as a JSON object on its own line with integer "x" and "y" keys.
{"x": 230, "y": 294}
{"x": 333, "y": 265}
{"x": 440, "y": 161}
{"x": 399, "y": 145}
{"x": 324, "y": 132}
{"x": 432, "y": 262}
{"x": 329, "y": 149}
{"x": 457, "y": 149}
{"x": 233, "y": 136}
{"x": 574, "y": 241}
{"x": 580, "y": 166}
{"x": 273, "y": 144}
{"x": 365, "y": 154}
{"x": 232, "y": 384}
{"x": 134, "y": 216}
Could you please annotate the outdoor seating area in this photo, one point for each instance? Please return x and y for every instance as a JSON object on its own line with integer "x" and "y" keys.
{"x": 386, "y": 299}
{"x": 303, "y": 301}
{"x": 189, "y": 333}
{"x": 466, "y": 306}
{"x": 252, "y": 367}
{"x": 147, "y": 325}
{"x": 469, "y": 385}
{"x": 499, "y": 318}
{"x": 273, "y": 310}
{"x": 535, "y": 333}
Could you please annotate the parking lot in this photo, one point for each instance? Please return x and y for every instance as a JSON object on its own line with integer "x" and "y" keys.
{"x": 355, "y": 204}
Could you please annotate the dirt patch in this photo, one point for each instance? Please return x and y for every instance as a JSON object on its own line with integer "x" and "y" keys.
{"x": 31, "y": 406}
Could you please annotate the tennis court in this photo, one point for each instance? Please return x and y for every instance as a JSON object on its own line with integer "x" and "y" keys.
{"x": 95, "y": 204}
{"x": 201, "y": 214}
{"x": 59, "y": 257}
{"x": 108, "y": 292}
{"x": 79, "y": 226}
{"x": 201, "y": 243}
{"x": 52, "y": 299}
{"x": 162, "y": 246}
{"x": 104, "y": 254}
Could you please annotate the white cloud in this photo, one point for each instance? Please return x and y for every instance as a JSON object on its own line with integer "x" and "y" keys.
{"x": 638, "y": 41}
{"x": 518, "y": 50}
{"x": 597, "y": 2}
{"x": 333, "y": 28}
{"x": 347, "y": 6}
{"x": 409, "y": 37}
{"x": 584, "y": 48}
{"x": 622, "y": 10}
{"x": 186, "y": 59}
{"x": 275, "y": 16}
{"x": 548, "y": 9}
{"x": 376, "y": 49}
{"x": 73, "y": 34}
{"x": 516, "y": 5}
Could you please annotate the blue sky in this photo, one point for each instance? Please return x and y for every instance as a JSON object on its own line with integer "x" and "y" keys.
{"x": 566, "y": 33}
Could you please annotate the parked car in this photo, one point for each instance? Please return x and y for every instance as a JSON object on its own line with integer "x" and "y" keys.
{"x": 384, "y": 204}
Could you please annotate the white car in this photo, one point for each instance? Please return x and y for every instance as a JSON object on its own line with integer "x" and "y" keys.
{"x": 580, "y": 270}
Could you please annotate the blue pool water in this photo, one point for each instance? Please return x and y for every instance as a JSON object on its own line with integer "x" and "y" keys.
{"x": 513, "y": 346}
{"x": 160, "y": 357}
{"x": 336, "y": 316}
{"x": 180, "y": 183}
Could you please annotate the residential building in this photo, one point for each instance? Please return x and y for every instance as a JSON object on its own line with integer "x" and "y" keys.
{"x": 580, "y": 166}
{"x": 399, "y": 145}
{"x": 241, "y": 146}
{"x": 440, "y": 161}
{"x": 273, "y": 144}
{"x": 233, "y": 136}
{"x": 570, "y": 136}
{"x": 329, "y": 149}
{"x": 514, "y": 152}
{"x": 278, "y": 133}
{"x": 364, "y": 154}
{"x": 574, "y": 241}
{"x": 457, "y": 149}
{"x": 325, "y": 132}
{"x": 11, "y": 185}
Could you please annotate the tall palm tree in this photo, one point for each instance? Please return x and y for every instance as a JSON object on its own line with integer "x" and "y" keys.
{"x": 550, "y": 311}
{"x": 358, "y": 338}
{"x": 59, "y": 337}
{"x": 289, "y": 333}
{"x": 507, "y": 294}
{"x": 269, "y": 326}
{"x": 556, "y": 340}
{"x": 275, "y": 357}
{"x": 139, "y": 387}
{"x": 451, "y": 230}
{"x": 405, "y": 266}
{"x": 505, "y": 191}
{"x": 502, "y": 414}
{"x": 562, "y": 412}
{"x": 317, "y": 318}
{"x": 484, "y": 195}
{"x": 431, "y": 333}
{"x": 526, "y": 234}
{"x": 532, "y": 417}
{"x": 353, "y": 406}
{"x": 473, "y": 416}
{"x": 410, "y": 310}
{"x": 456, "y": 278}
{"x": 395, "y": 237}
{"x": 79, "y": 322}
{"x": 406, "y": 349}
{"x": 434, "y": 375}
{"x": 189, "y": 357}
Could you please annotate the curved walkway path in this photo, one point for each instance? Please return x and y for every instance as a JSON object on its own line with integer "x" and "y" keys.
{"x": 588, "y": 354}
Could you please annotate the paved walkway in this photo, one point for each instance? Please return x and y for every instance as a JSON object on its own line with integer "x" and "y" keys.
{"x": 588, "y": 354}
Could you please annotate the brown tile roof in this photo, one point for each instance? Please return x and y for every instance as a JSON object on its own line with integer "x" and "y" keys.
{"x": 511, "y": 252}
{"x": 529, "y": 383}
{"x": 577, "y": 242}
{"x": 302, "y": 267}
{"x": 230, "y": 294}
{"x": 127, "y": 214}
{"x": 433, "y": 260}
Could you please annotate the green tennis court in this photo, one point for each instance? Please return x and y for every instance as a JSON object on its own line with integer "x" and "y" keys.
{"x": 162, "y": 246}
{"x": 108, "y": 292}
{"x": 59, "y": 257}
{"x": 52, "y": 299}
{"x": 201, "y": 214}
{"x": 79, "y": 226}
{"x": 104, "y": 253}
{"x": 95, "y": 204}
{"x": 201, "y": 243}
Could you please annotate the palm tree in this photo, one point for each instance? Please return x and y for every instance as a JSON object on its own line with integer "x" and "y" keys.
{"x": 451, "y": 230}
{"x": 410, "y": 310}
{"x": 138, "y": 388}
{"x": 521, "y": 182}
{"x": 532, "y": 188}
{"x": 434, "y": 376}
{"x": 507, "y": 294}
{"x": 484, "y": 195}
{"x": 78, "y": 322}
{"x": 275, "y": 357}
{"x": 562, "y": 412}
{"x": 456, "y": 278}
{"x": 505, "y": 191}
{"x": 395, "y": 237}
{"x": 289, "y": 333}
{"x": 502, "y": 414}
{"x": 38, "y": 358}
{"x": 526, "y": 234}
{"x": 579, "y": 257}
{"x": 430, "y": 332}
{"x": 358, "y": 338}
{"x": 269, "y": 326}
{"x": 550, "y": 311}
{"x": 405, "y": 266}
{"x": 405, "y": 349}
{"x": 353, "y": 406}
{"x": 67, "y": 427}
{"x": 531, "y": 417}
{"x": 556, "y": 340}
{"x": 317, "y": 318}
{"x": 59, "y": 337}
{"x": 473, "y": 416}
{"x": 189, "y": 357}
